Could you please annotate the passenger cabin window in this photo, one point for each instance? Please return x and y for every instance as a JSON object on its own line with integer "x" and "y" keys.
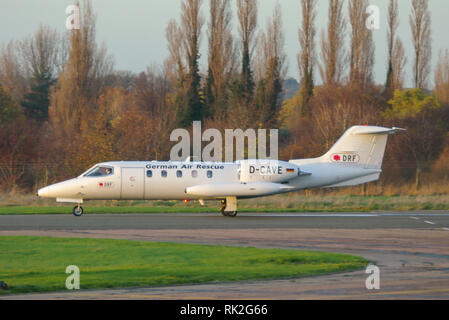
{"x": 194, "y": 174}
{"x": 149, "y": 173}
{"x": 210, "y": 174}
{"x": 100, "y": 171}
{"x": 179, "y": 174}
{"x": 164, "y": 174}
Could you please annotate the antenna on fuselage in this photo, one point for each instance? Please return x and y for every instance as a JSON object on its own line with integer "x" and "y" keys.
{"x": 192, "y": 159}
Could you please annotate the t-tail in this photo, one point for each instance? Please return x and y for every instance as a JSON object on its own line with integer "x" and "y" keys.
{"x": 362, "y": 146}
{"x": 357, "y": 156}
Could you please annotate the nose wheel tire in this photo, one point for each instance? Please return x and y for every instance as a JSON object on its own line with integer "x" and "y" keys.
{"x": 78, "y": 211}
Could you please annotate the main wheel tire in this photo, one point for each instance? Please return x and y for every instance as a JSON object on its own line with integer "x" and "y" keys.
{"x": 223, "y": 207}
{"x": 223, "y": 212}
{"x": 229, "y": 214}
{"x": 78, "y": 211}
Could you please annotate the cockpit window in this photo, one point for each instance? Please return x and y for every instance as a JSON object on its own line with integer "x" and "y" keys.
{"x": 100, "y": 171}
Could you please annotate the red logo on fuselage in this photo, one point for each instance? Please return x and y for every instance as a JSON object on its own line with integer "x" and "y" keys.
{"x": 346, "y": 158}
{"x": 105, "y": 184}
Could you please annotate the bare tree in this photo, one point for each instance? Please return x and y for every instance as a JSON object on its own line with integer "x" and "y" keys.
{"x": 272, "y": 43}
{"x": 398, "y": 62}
{"x": 332, "y": 45}
{"x": 18, "y": 142}
{"x": 222, "y": 59}
{"x": 192, "y": 23}
{"x": 273, "y": 64}
{"x": 79, "y": 83}
{"x": 420, "y": 24}
{"x": 247, "y": 17}
{"x": 175, "y": 63}
{"x": 335, "y": 109}
{"x": 182, "y": 65}
{"x": 393, "y": 23}
{"x": 362, "y": 45}
{"x": 442, "y": 78}
{"x": 307, "y": 56}
{"x": 41, "y": 53}
{"x": 13, "y": 75}
{"x": 150, "y": 98}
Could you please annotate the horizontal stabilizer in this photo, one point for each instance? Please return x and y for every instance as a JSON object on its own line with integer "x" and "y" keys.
{"x": 376, "y": 130}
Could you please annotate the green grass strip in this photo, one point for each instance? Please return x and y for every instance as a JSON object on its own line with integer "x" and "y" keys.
{"x": 38, "y": 264}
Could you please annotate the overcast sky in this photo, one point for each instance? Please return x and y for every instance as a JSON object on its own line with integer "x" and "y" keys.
{"x": 134, "y": 30}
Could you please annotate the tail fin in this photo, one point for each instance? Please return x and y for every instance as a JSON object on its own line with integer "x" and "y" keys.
{"x": 363, "y": 146}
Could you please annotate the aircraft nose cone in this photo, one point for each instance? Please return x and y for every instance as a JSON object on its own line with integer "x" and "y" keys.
{"x": 43, "y": 192}
{"x": 63, "y": 189}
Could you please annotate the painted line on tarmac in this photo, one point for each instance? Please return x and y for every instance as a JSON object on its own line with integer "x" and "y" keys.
{"x": 348, "y": 215}
{"x": 405, "y": 214}
{"x": 446, "y": 229}
{"x": 429, "y": 222}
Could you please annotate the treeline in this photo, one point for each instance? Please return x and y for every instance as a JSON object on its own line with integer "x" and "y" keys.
{"x": 64, "y": 107}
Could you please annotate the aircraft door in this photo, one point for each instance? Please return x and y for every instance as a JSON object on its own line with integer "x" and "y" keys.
{"x": 132, "y": 183}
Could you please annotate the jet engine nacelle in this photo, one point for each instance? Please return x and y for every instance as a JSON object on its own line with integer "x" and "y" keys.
{"x": 267, "y": 170}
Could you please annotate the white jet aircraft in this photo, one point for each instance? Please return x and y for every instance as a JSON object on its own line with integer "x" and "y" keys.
{"x": 355, "y": 159}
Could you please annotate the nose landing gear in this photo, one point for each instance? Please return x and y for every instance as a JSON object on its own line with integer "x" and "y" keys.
{"x": 229, "y": 207}
{"x": 78, "y": 211}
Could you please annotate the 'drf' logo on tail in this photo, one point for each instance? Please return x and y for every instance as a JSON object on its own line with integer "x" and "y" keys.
{"x": 345, "y": 157}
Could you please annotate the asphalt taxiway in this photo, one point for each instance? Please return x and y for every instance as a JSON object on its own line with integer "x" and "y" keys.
{"x": 391, "y": 220}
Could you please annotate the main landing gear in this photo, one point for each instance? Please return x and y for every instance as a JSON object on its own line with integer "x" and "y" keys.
{"x": 78, "y": 211}
{"x": 229, "y": 207}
